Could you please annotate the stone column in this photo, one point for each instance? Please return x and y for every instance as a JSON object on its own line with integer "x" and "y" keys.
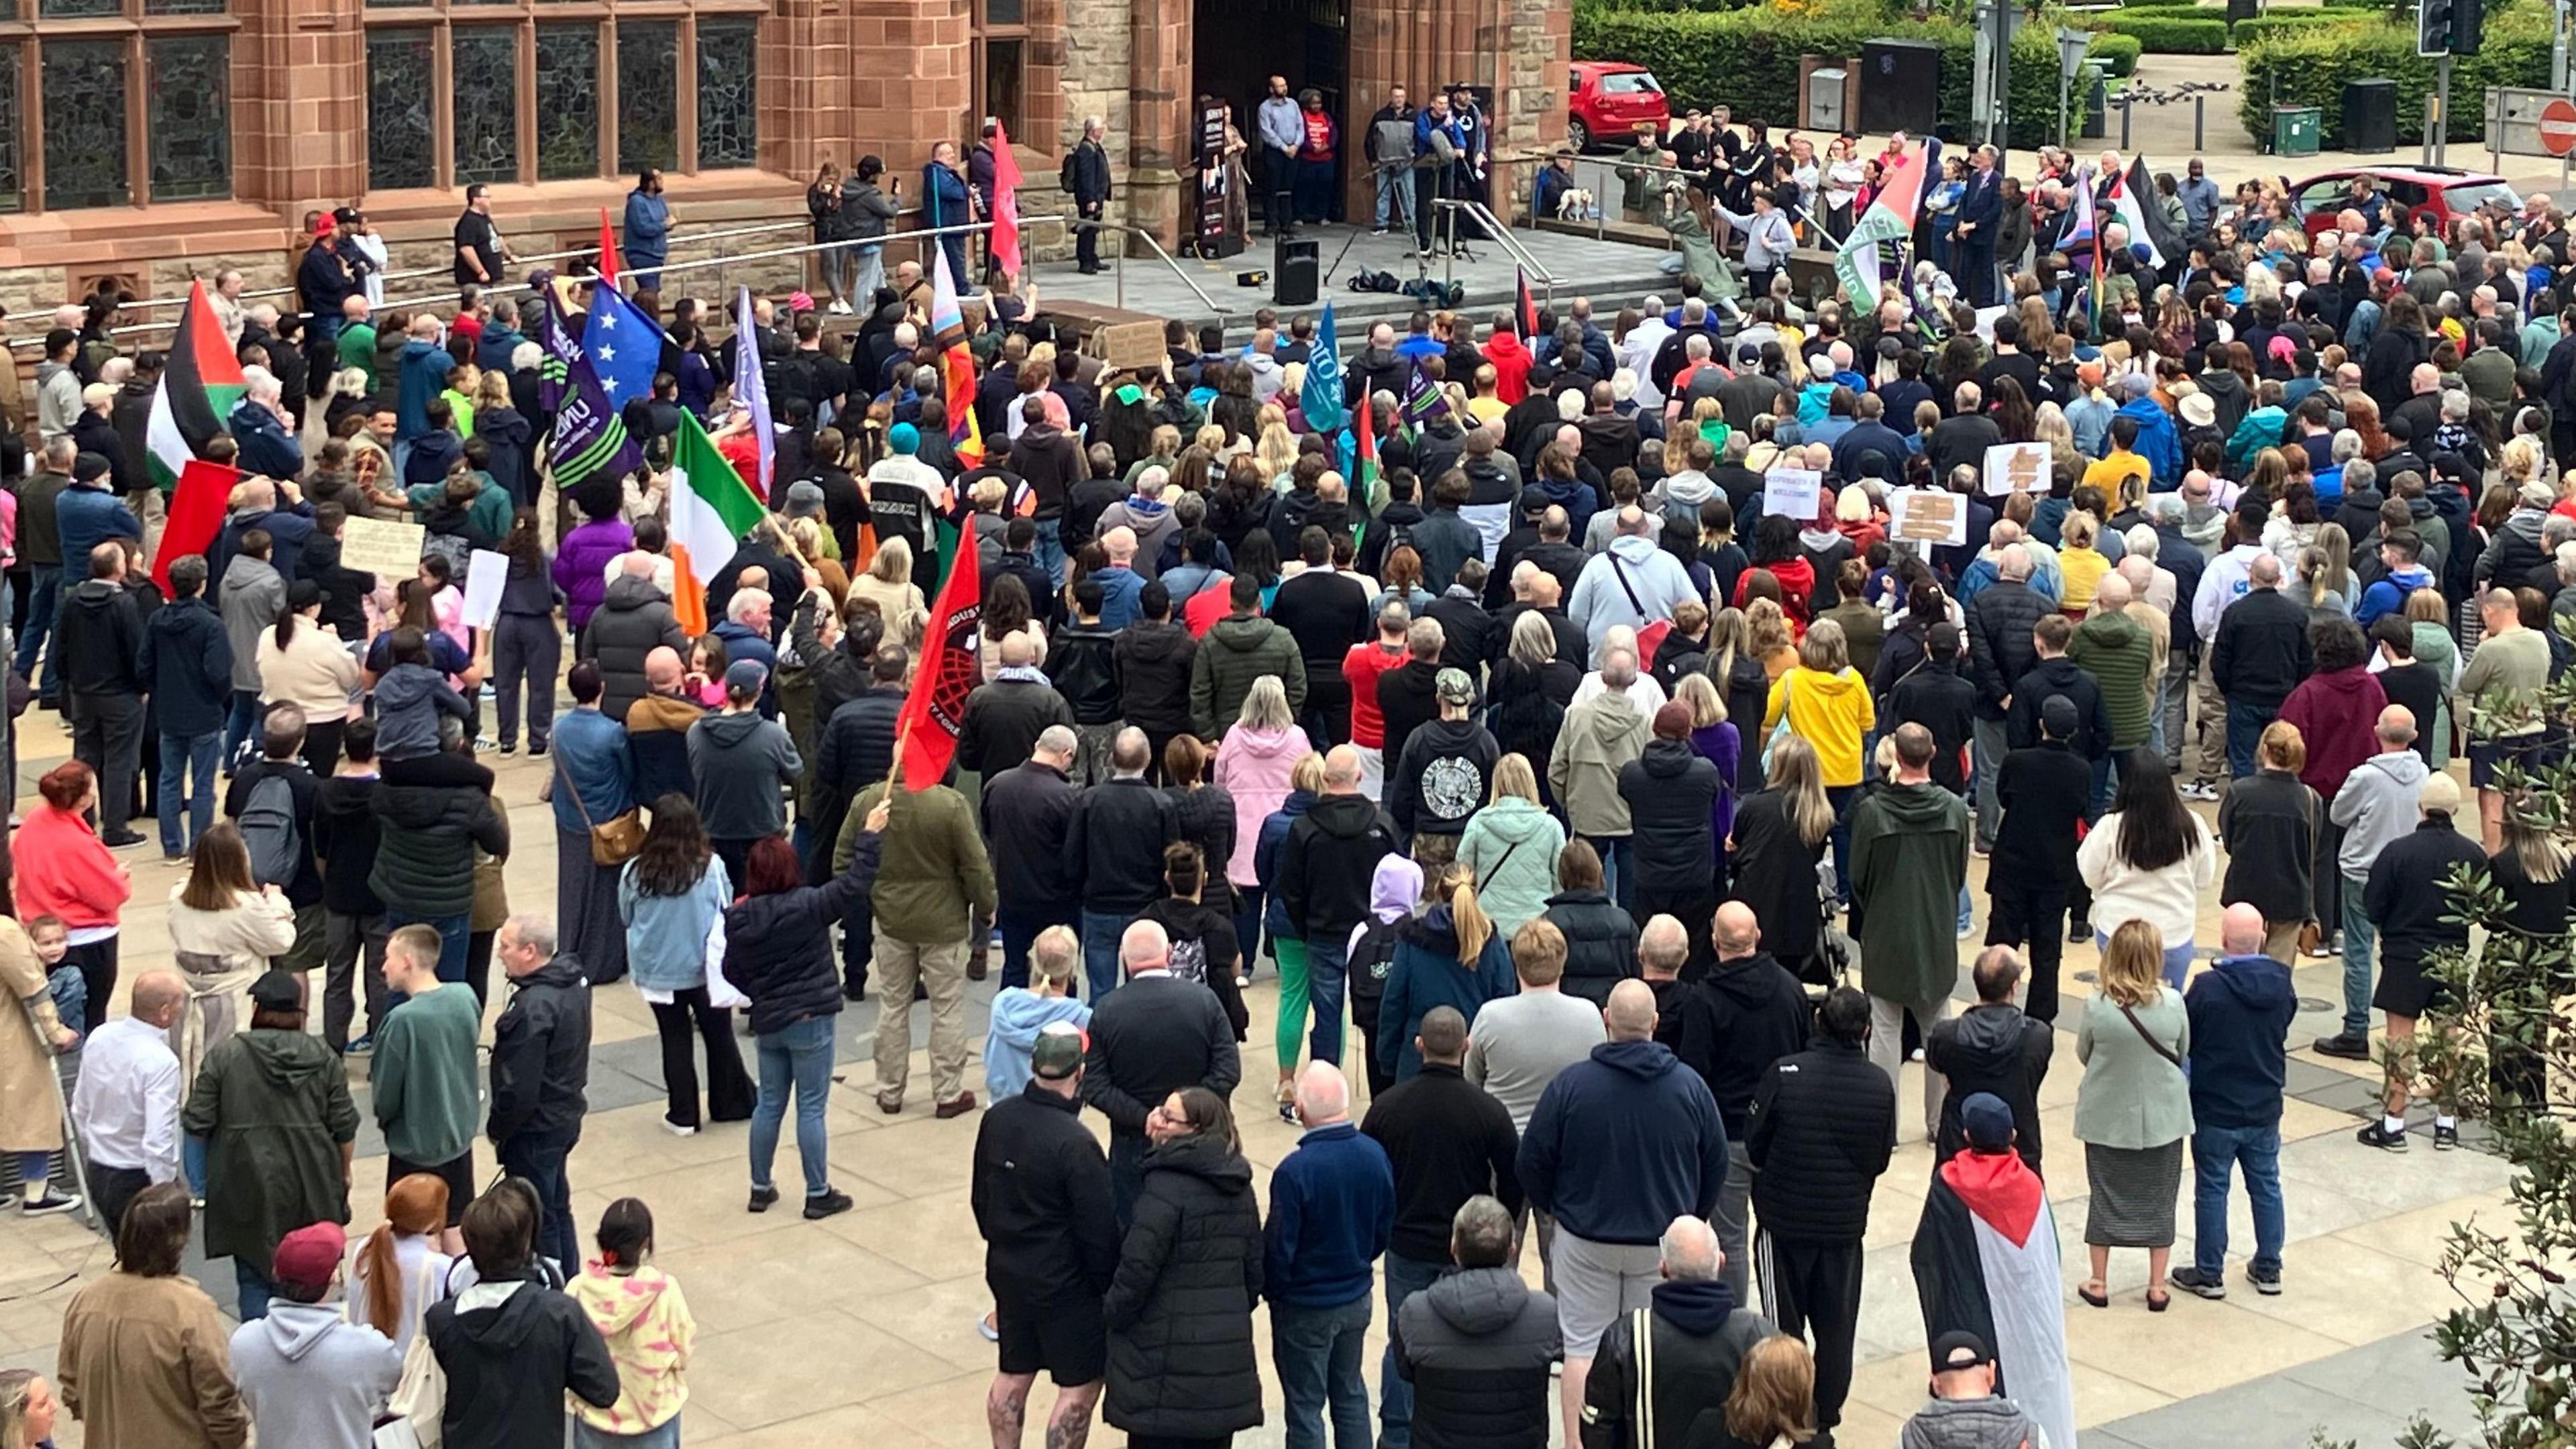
{"x": 1160, "y": 178}
{"x": 299, "y": 104}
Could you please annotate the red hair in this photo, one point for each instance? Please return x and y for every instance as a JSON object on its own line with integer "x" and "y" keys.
{"x": 66, "y": 784}
{"x": 772, "y": 867}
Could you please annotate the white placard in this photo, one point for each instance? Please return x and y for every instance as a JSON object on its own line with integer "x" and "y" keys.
{"x": 1927, "y": 516}
{"x": 1986, "y": 321}
{"x": 1793, "y": 493}
{"x": 381, "y": 546}
{"x": 2020, "y": 467}
{"x": 484, "y": 576}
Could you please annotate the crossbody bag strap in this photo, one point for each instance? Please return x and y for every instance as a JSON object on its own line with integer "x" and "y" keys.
{"x": 2150, "y": 1037}
{"x": 565, "y": 772}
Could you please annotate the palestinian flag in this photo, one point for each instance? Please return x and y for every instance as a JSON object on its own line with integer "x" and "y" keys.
{"x": 1985, "y": 1260}
{"x": 711, "y": 511}
{"x": 1890, "y": 218}
{"x": 199, "y": 386}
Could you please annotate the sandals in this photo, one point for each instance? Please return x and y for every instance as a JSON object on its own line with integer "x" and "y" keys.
{"x": 2158, "y": 1300}
{"x": 2098, "y": 1298}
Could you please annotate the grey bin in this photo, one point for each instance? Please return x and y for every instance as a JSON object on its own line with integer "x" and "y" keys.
{"x": 1825, "y": 99}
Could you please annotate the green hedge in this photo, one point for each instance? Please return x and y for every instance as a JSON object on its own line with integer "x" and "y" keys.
{"x": 1748, "y": 59}
{"x": 2260, "y": 27}
{"x": 2308, "y": 66}
{"x": 2120, "y": 50}
{"x": 2163, "y": 34}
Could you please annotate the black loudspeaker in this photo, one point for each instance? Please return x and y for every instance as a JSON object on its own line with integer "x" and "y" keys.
{"x": 2369, "y": 115}
{"x": 1900, "y": 86}
{"x": 1297, "y": 270}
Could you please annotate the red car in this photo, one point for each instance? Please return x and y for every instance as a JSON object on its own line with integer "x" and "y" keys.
{"x": 2440, "y": 192}
{"x": 1606, "y": 100}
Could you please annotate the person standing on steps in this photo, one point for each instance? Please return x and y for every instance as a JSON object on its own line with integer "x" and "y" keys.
{"x": 1087, "y": 168}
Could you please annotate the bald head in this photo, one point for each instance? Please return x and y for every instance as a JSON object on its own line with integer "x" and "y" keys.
{"x": 1323, "y": 1094}
{"x": 1630, "y": 1016}
{"x": 662, "y": 668}
{"x": 636, "y": 565}
{"x": 2264, "y": 572}
{"x": 1690, "y": 1251}
{"x": 2396, "y": 729}
{"x": 2110, "y": 596}
{"x": 158, "y": 995}
{"x": 1738, "y": 933}
{"x": 1341, "y": 770}
{"x": 1144, "y": 947}
{"x": 2240, "y": 931}
{"x": 1019, "y": 651}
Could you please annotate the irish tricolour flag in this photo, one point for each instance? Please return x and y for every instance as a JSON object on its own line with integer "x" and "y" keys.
{"x": 711, "y": 510}
{"x": 199, "y": 386}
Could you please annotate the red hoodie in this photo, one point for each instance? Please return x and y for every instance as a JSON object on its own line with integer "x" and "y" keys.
{"x": 1511, "y": 367}
{"x": 2337, "y": 713}
{"x": 66, "y": 872}
{"x": 1797, "y": 587}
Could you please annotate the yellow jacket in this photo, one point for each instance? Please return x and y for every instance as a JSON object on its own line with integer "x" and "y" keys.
{"x": 649, "y": 1332}
{"x": 1829, "y": 711}
{"x": 2082, "y": 569}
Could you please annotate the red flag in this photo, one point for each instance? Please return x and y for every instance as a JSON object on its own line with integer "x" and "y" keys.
{"x": 607, "y": 249}
{"x": 1528, "y": 307}
{"x": 1006, "y": 203}
{"x": 926, "y": 731}
{"x": 197, "y": 510}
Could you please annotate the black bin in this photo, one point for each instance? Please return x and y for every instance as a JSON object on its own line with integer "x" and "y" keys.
{"x": 2369, "y": 115}
{"x": 1295, "y": 272}
{"x": 1900, "y": 86}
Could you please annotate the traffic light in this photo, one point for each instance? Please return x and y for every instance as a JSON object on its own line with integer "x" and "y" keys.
{"x": 2450, "y": 27}
{"x": 2468, "y": 23}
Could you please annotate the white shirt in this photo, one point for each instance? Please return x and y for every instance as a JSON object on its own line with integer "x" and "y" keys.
{"x": 127, "y": 1104}
{"x": 1648, "y": 695}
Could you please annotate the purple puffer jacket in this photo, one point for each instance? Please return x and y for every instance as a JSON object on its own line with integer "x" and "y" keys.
{"x": 581, "y": 564}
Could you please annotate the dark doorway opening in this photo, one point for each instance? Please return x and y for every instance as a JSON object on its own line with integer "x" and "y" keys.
{"x": 1237, "y": 45}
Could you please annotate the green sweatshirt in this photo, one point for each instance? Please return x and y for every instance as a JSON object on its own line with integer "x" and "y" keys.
{"x": 2117, "y": 652}
{"x": 423, "y": 1076}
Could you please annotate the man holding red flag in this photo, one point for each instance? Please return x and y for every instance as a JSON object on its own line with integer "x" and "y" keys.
{"x": 1087, "y": 169}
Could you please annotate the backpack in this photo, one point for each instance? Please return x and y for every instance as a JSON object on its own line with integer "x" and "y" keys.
{"x": 268, "y": 827}
{"x": 1064, "y": 178}
{"x": 1372, "y": 960}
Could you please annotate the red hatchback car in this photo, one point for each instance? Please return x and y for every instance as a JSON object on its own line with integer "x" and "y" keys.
{"x": 1606, "y": 100}
{"x": 2443, "y": 193}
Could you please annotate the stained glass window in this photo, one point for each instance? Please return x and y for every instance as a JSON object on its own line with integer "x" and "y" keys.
{"x": 75, "y": 9}
{"x": 85, "y": 123}
{"x": 485, "y": 63}
{"x": 191, "y": 130}
{"x": 183, "y": 7}
{"x": 728, "y": 93}
{"x": 567, "y": 101}
{"x": 402, "y": 131}
{"x": 648, "y": 95}
{"x": 13, "y": 177}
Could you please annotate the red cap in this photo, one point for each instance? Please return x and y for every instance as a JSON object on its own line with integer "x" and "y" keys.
{"x": 323, "y": 225}
{"x": 307, "y": 1257}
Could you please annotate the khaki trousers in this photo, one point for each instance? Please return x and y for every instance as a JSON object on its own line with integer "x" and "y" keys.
{"x": 942, "y": 971}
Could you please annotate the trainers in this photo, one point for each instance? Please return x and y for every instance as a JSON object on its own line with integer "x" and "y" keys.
{"x": 2445, "y": 1138}
{"x": 2192, "y": 1280}
{"x": 363, "y": 1046}
{"x": 2078, "y": 932}
{"x": 121, "y": 840}
{"x": 536, "y": 752}
{"x": 677, "y": 1129}
{"x": 2352, "y": 1046}
{"x": 832, "y": 1202}
{"x": 509, "y": 747}
{"x": 2267, "y": 1284}
{"x": 763, "y": 1199}
{"x": 2377, "y": 1135}
{"x": 52, "y": 1202}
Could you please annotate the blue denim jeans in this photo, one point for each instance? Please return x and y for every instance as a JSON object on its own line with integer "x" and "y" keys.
{"x": 188, "y": 777}
{"x": 540, "y": 1157}
{"x": 1618, "y": 866}
{"x": 451, "y": 939}
{"x": 44, "y": 598}
{"x": 2214, "y": 1151}
{"x": 238, "y": 725}
{"x": 2177, "y": 959}
{"x": 2360, "y": 952}
{"x": 2245, "y": 724}
{"x": 1317, "y": 1353}
{"x": 1395, "y": 207}
{"x": 1050, "y": 550}
{"x": 1404, "y": 1278}
{"x": 798, "y": 1056}
{"x": 1327, "y": 981}
{"x": 252, "y": 1289}
{"x": 1100, "y": 933}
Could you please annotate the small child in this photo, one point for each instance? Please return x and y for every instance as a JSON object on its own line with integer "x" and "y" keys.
{"x": 53, "y": 941}
{"x": 640, "y": 1311}
{"x": 409, "y": 700}
{"x": 1021, "y": 1012}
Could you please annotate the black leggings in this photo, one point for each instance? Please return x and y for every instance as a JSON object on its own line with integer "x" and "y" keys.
{"x": 97, "y": 963}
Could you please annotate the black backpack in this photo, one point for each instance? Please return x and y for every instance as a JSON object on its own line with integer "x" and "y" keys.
{"x": 1372, "y": 959}
{"x": 1064, "y": 175}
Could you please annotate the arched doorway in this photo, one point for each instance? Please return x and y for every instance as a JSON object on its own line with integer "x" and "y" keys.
{"x": 1237, "y": 45}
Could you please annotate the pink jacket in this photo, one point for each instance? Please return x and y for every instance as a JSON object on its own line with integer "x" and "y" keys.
{"x": 1254, "y": 766}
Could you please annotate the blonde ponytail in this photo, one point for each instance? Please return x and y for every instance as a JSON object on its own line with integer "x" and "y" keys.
{"x": 1468, "y": 919}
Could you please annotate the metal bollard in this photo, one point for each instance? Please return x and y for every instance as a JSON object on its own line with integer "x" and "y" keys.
{"x": 2199, "y": 120}
{"x": 2128, "y": 107}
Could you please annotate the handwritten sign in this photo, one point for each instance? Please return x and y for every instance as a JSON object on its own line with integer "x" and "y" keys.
{"x": 1928, "y": 516}
{"x": 1793, "y": 492}
{"x": 2019, "y": 467}
{"x": 379, "y": 546}
{"x": 484, "y": 576}
{"x": 1130, "y": 346}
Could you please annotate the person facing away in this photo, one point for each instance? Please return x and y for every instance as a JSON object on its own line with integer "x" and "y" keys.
{"x": 1664, "y": 1372}
{"x": 1475, "y": 1347}
{"x": 2240, "y": 1011}
{"x": 1745, "y": 1014}
{"x": 1332, "y": 1206}
{"x": 1967, "y": 1408}
{"x": 1151, "y": 1038}
{"x": 308, "y": 1374}
{"x": 1993, "y": 1046}
{"x": 144, "y": 1357}
{"x": 510, "y": 1345}
{"x": 644, "y": 1319}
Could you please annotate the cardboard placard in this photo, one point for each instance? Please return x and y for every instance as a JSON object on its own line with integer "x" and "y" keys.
{"x": 2020, "y": 467}
{"x": 380, "y": 546}
{"x": 1793, "y": 493}
{"x": 484, "y": 575}
{"x": 1928, "y": 516}
{"x": 1130, "y": 345}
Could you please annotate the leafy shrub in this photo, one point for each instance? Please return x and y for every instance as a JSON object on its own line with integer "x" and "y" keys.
{"x": 2120, "y": 50}
{"x": 2248, "y": 31}
{"x": 2166, "y": 34}
{"x": 2309, "y": 66}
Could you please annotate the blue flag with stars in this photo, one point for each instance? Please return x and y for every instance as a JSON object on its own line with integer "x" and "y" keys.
{"x": 624, "y": 347}
{"x": 1321, "y": 398}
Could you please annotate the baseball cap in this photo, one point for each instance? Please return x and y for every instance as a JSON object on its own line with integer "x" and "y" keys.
{"x": 1749, "y": 352}
{"x": 307, "y": 1257}
{"x": 1454, "y": 687}
{"x": 348, "y": 216}
{"x": 1987, "y": 1122}
{"x": 322, "y": 224}
{"x": 745, "y": 674}
{"x": 1058, "y": 1053}
{"x": 2537, "y": 495}
{"x": 278, "y": 991}
{"x": 1534, "y": 499}
{"x": 804, "y": 498}
{"x": 1958, "y": 1349}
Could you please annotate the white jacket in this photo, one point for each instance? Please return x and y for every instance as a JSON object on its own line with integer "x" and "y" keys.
{"x": 2167, "y": 899}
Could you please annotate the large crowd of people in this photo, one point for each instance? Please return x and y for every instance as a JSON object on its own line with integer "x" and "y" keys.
{"x": 1608, "y": 831}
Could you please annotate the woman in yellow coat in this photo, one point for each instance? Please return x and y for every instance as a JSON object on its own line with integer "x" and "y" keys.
{"x": 1827, "y": 704}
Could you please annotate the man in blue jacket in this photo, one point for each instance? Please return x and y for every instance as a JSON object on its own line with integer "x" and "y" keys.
{"x": 187, "y": 668}
{"x": 88, "y": 513}
{"x": 2240, "y": 1022}
{"x": 2158, "y": 443}
{"x": 648, "y": 231}
{"x": 1332, "y": 1206}
{"x": 1621, "y": 1144}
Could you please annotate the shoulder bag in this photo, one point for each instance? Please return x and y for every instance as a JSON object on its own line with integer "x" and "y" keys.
{"x": 612, "y": 842}
{"x": 416, "y": 1410}
{"x": 2150, "y": 1039}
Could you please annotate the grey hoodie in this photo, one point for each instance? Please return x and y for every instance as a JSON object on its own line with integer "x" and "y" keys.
{"x": 1995, "y": 1423}
{"x": 311, "y": 1379}
{"x": 739, "y": 761}
{"x": 409, "y": 700}
{"x": 2376, "y": 807}
{"x": 252, "y": 594}
{"x": 58, "y": 399}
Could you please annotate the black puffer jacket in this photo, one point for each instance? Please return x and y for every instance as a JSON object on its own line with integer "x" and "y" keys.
{"x": 1819, "y": 1136}
{"x": 1179, "y": 1311}
{"x": 2000, "y": 650}
{"x": 1154, "y": 674}
{"x": 1600, "y": 942}
{"x": 1997, "y": 1049}
{"x": 856, "y": 746}
{"x": 1476, "y": 1346}
{"x": 427, "y": 835}
{"x": 1671, "y": 793}
{"x": 778, "y": 948}
{"x": 633, "y": 620}
{"x": 541, "y": 1052}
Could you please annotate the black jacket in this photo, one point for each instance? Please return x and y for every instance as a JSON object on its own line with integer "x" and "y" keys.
{"x": 1003, "y": 722}
{"x": 1743, "y": 1015}
{"x": 1682, "y": 1374}
{"x": 2045, "y": 791}
{"x": 428, "y": 832}
{"x": 2407, "y": 899}
{"x": 187, "y": 667}
{"x": 2268, "y": 821}
{"x": 2261, "y": 652}
{"x": 1466, "y": 630}
{"x": 1600, "y": 943}
{"x": 1941, "y": 700}
{"x": 541, "y": 1052}
{"x": 1114, "y": 839}
{"x": 1449, "y": 1142}
{"x": 1179, "y": 1309}
{"x": 344, "y": 840}
{"x": 1671, "y": 793}
{"x": 1476, "y": 1346}
{"x": 99, "y": 637}
{"x": 305, "y": 887}
{"x": 632, "y": 620}
{"x": 1991, "y": 1048}
{"x": 1775, "y": 874}
{"x": 2000, "y": 650}
{"x": 2060, "y": 675}
{"x": 1442, "y": 778}
{"x": 1028, "y": 818}
{"x": 1149, "y": 1039}
{"x": 778, "y": 947}
{"x": 1328, "y": 861}
{"x": 1154, "y": 676}
{"x": 1041, "y": 1200}
{"x": 1090, "y": 167}
{"x": 857, "y": 747}
{"x": 1082, "y": 659}
{"x": 1818, "y": 1135}
{"x": 508, "y": 1367}
{"x": 344, "y": 590}
{"x": 1406, "y": 701}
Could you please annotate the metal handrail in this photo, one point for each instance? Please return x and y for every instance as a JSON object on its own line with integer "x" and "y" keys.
{"x": 1496, "y": 231}
{"x": 1119, "y": 276}
{"x": 771, "y": 254}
